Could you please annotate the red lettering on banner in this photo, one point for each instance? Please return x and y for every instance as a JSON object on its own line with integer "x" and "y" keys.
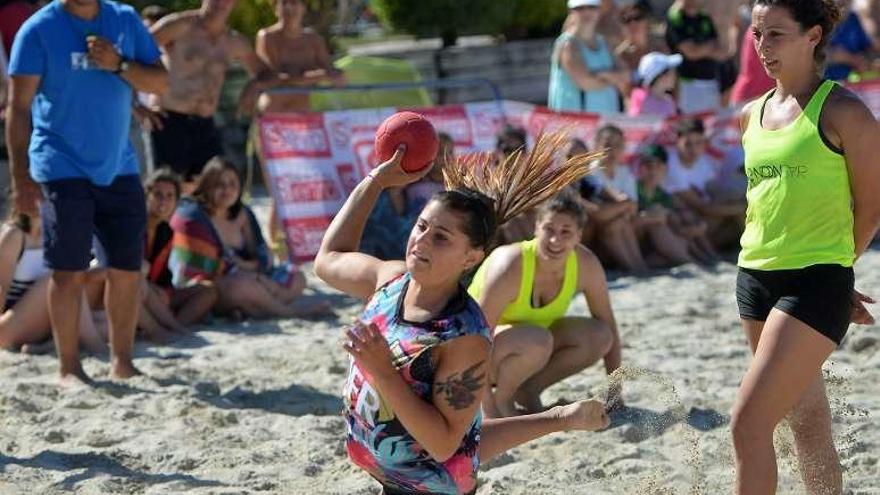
{"x": 295, "y": 135}
{"x": 304, "y": 236}
{"x": 310, "y": 189}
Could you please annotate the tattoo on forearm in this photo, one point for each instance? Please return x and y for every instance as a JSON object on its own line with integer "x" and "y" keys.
{"x": 460, "y": 390}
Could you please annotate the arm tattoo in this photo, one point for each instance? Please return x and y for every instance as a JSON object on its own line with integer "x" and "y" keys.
{"x": 459, "y": 389}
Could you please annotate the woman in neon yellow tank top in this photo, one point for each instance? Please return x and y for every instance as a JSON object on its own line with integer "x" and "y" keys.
{"x": 524, "y": 290}
{"x": 810, "y": 154}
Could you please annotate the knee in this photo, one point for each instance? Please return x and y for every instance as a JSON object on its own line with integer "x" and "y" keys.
{"x": 748, "y": 429}
{"x": 68, "y": 280}
{"x": 298, "y": 283}
{"x": 208, "y": 292}
{"x": 604, "y": 338}
{"x": 538, "y": 342}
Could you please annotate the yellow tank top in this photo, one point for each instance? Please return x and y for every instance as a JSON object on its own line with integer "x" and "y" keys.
{"x": 799, "y": 202}
{"x": 521, "y": 311}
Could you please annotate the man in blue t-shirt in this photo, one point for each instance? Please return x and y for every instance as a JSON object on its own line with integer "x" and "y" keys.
{"x": 73, "y": 67}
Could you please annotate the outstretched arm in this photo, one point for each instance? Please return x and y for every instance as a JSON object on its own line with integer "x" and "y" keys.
{"x": 593, "y": 282}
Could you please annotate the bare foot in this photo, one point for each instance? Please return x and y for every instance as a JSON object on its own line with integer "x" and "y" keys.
{"x": 44, "y": 347}
{"x": 530, "y": 402}
{"x": 586, "y": 415}
{"x": 159, "y": 335}
{"x": 74, "y": 379}
{"x": 311, "y": 309}
{"x": 123, "y": 369}
{"x": 506, "y": 408}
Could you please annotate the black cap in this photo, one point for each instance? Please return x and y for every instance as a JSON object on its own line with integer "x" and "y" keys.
{"x": 654, "y": 152}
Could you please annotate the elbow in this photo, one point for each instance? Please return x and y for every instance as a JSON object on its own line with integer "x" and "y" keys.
{"x": 161, "y": 84}
{"x": 322, "y": 265}
{"x": 442, "y": 453}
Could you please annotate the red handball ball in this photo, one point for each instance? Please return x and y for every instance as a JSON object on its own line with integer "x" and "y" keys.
{"x": 412, "y": 130}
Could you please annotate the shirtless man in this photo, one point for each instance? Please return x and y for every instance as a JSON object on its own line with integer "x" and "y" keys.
{"x": 198, "y": 48}
{"x": 298, "y": 56}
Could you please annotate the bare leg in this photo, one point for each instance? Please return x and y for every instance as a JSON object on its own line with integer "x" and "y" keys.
{"x": 286, "y": 294}
{"x": 616, "y": 240}
{"x": 811, "y": 425}
{"x": 89, "y": 338}
{"x": 121, "y": 301}
{"x": 519, "y": 352}
{"x": 191, "y": 304}
{"x": 502, "y": 434}
{"x": 668, "y": 245}
{"x": 28, "y": 321}
{"x": 246, "y": 293}
{"x": 151, "y": 327}
{"x": 787, "y": 357}
{"x": 810, "y": 422}
{"x": 577, "y": 344}
{"x": 160, "y": 310}
{"x": 65, "y": 293}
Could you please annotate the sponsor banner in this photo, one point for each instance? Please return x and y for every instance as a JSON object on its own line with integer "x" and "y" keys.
{"x": 314, "y": 160}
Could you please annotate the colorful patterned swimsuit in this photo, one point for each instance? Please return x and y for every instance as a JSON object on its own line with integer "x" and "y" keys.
{"x": 377, "y": 441}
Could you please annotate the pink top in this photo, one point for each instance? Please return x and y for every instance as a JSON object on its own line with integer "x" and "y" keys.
{"x": 643, "y": 102}
{"x": 753, "y": 80}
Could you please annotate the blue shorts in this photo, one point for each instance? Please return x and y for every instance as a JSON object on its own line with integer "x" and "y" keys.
{"x": 76, "y": 210}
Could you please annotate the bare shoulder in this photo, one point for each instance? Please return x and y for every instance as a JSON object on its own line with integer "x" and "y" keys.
{"x": 590, "y": 267}
{"x": 11, "y": 238}
{"x": 177, "y": 21}
{"x": 745, "y": 112}
{"x": 843, "y": 105}
{"x": 505, "y": 262}
{"x": 388, "y": 270}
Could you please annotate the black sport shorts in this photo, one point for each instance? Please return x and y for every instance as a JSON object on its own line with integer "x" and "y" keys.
{"x": 818, "y": 295}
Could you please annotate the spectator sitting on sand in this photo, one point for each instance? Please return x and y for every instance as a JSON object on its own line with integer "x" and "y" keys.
{"x": 24, "y": 289}
{"x": 217, "y": 238}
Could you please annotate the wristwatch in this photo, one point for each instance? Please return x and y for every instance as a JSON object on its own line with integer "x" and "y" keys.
{"x": 124, "y": 65}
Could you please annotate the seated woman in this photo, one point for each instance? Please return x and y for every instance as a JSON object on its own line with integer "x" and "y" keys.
{"x": 524, "y": 290}
{"x": 24, "y": 292}
{"x": 217, "y": 238}
{"x": 165, "y": 308}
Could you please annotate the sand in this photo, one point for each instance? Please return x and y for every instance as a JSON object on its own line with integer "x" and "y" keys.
{"x": 254, "y": 408}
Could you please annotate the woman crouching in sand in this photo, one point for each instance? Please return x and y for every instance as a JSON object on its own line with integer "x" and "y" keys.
{"x": 420, "y": 351}
{"x": 525, "y": 290}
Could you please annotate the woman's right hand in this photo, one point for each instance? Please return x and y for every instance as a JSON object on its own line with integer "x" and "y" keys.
{"x": 392, "y": 174}
{"x": 586, "y": 415}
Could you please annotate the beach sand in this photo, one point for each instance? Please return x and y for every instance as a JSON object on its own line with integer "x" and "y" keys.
{"x": 254, "y": 408}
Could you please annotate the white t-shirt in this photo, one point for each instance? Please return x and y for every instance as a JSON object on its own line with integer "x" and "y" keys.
{"x": 623, "y": 180}
{"x": 697, "y": 176}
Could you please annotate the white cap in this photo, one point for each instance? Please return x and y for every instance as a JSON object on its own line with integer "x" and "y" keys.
{"x": 574, "y": 4}
{"x": 656, "y": 63}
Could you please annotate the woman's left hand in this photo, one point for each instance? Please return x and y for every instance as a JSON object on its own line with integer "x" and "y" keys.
{"x": 370, "y": 349}
{"x": 860, "y": 314}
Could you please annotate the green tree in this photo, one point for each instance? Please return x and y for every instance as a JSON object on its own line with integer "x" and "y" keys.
{"x": 535, "y": 18}
{"x": 447, "y": 19}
